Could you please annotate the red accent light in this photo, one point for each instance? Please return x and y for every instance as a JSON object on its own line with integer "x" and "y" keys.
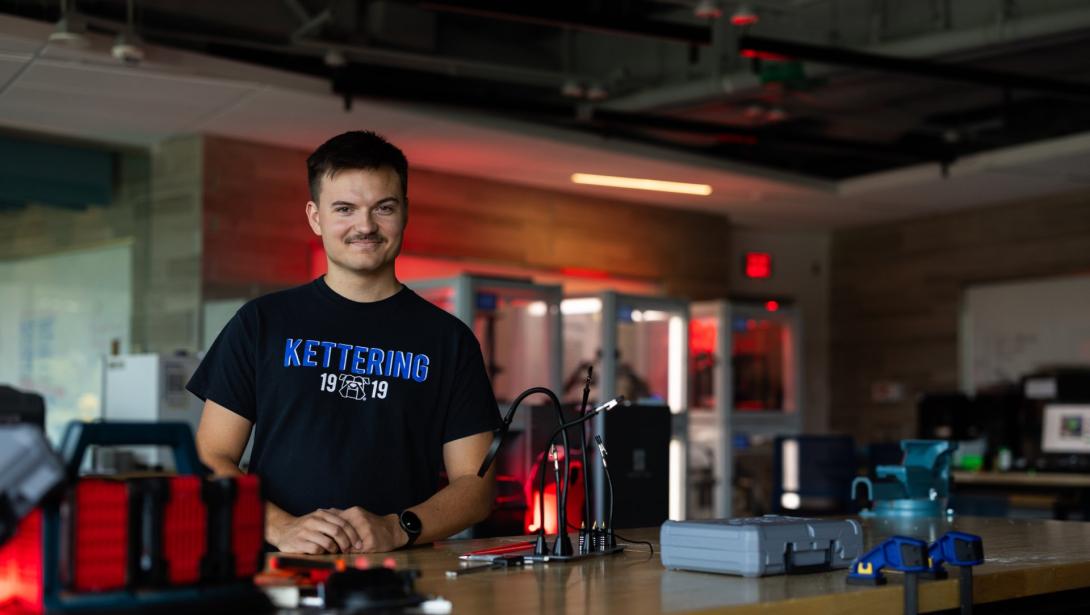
{"x": 756, "y": 54}
{"x": 21, "y": 571}
{"x": 758, "y": 265}
{"x": 702, "y": 336}
{"x": 772, "y": 306}
{"x": 575, "y": 496}
{"x": 744, "y": 19}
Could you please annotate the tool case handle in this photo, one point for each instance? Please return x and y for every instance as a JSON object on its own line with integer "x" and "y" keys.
{"x": 790, "y": 567}
{"x": 177, "y": 436}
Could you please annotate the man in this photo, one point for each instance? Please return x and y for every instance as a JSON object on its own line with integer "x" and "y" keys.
{"x": 358, "y": 391}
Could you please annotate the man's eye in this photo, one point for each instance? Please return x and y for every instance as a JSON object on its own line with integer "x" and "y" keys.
{"x": 341, "y": 210}
{"x": 385, "y": 209}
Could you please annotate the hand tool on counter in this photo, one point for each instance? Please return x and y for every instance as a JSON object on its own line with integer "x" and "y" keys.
{"x": 900, "y": 553}
{"x": 497, "y": 563}
{"x": 959, "y": 549}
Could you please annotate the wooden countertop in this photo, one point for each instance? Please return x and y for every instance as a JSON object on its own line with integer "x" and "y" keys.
{"x": 1022, "y": 479}
{"x": 1022, "y": 558}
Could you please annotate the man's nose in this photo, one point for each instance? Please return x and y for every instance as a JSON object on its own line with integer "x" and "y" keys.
{"x": 365, "y": 223}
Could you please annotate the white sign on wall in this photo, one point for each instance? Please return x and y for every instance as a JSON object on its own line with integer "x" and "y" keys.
{"x": 1009, "y": 330}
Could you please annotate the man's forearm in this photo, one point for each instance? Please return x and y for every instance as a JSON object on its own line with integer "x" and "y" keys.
{"x": 221, "y": 465}
{"x": 465, "y": 501}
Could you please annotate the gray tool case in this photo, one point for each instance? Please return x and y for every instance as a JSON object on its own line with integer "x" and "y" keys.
{"x": 759, "y": 546}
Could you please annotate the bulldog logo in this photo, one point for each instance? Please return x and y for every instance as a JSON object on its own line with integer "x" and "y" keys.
{"x": 354, "y": 387}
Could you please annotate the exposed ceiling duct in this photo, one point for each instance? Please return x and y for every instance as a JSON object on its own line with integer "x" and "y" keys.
{"x": 846, "y": 88}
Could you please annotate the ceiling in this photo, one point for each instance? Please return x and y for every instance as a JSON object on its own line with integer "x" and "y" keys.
{"x": 473, "y": 89}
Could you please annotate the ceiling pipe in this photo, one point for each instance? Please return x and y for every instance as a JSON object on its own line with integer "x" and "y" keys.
{"x": 928, "y": 69}
{"x": 744, "y": 135}
{"x": 1025, "y": 32}
{"x": 553, "y": 14}
{"x": 385, "y": 57}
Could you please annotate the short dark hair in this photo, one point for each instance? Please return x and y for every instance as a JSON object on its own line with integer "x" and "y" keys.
{"x": 357, "y": 149}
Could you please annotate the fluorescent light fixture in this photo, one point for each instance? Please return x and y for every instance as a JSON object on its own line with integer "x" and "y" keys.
{"x": 587, "y": 305}
{"x": 636, "y": 183}
{"x": 676, "y": 484}
{"x": 537, "y": 308}
{"x": 676, "y": 359}
{"x": 790, "y": 460}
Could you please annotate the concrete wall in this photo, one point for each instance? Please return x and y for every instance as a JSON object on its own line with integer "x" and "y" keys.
{"x": 896, "y": 293}
{"x": 169, "y": 247}
{"x": 37, "y": 230}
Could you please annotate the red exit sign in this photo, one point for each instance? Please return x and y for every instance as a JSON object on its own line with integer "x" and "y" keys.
{"x": 757, "y": 265}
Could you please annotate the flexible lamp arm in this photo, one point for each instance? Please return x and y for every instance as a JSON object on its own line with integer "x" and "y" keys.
{"x": 500, "y": 434}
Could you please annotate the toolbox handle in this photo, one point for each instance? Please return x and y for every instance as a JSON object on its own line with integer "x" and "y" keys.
{"x": 790, "y": 567}
{"x": 176, "y": 435}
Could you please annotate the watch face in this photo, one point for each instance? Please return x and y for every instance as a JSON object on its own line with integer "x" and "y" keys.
{"x": 411, "y": 522}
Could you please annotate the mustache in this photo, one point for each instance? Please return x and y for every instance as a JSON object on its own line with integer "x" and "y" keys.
{"x": 368, "y": 237}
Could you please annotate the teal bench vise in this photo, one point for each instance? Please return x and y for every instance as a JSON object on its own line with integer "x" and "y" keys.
{"x": 919, "y": 487}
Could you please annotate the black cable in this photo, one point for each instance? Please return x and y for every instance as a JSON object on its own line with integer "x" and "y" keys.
{"x": 609, "y": 479}
{"x": 583, "y": 445}
{"x": 638, "y": 542}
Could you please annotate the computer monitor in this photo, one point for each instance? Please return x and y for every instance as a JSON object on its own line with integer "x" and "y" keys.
{"x": 1066, "y": 428}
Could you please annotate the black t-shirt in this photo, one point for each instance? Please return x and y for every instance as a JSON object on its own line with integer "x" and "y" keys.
{"x": 351, "y": 402}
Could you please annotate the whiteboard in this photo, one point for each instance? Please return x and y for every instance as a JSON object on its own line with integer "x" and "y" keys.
{"x": 1011, "y": 329}
{"x": 59, "y": 315}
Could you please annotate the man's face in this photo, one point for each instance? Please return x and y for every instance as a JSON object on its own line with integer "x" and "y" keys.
{"x": 360, "y": 217}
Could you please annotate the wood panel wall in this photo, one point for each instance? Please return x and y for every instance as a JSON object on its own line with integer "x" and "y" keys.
{"x": 256, "y": 237}
{"x": 897, "y": 288}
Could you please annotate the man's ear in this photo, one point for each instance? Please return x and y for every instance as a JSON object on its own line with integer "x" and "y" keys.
{"x": 312, "y": 218}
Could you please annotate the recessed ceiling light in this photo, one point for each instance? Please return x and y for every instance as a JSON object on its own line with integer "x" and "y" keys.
{"x": 334, "y": 58}
{"x": 70, "y": 33}
{"x": 708, "y": 9}
{"x": 636, "y": 183}
{"x": 744, "y": 16}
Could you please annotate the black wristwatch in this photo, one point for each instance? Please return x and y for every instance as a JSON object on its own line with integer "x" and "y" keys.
{"x": 412, "y": 526}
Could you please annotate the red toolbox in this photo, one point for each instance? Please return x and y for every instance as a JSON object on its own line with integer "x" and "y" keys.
{"x": 95, "y": 523}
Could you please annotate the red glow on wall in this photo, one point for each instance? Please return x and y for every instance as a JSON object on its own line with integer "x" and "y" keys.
{"x": 772, "y": 306}
{"x": 583, "y": 272}
{"x": 758, "y": 265}
{"x": 317, "y": 260}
